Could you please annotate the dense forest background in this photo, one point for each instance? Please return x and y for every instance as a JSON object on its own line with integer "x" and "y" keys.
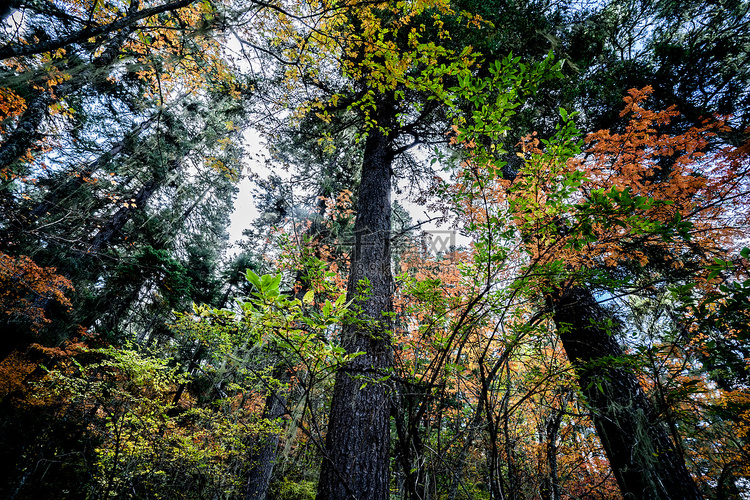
{"x": 585, "y": 336}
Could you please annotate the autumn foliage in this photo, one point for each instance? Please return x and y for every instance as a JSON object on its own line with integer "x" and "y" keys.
{"x": 142, "y": 365}
{"x": 26, "y": 289}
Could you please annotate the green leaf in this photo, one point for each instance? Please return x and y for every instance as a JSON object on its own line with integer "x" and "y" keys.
{"x": 253, "y": 278}
{"x": 340, "y": 300}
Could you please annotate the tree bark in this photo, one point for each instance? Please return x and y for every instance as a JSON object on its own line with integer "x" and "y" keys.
{"x": 644, "y": 459}
{"x": 126, "y": 22}
{"x": 263, "y": 458}
{"x": 26, "y": 132}
{"x": 550, "y": 489}
{"x": 356, "y": 465}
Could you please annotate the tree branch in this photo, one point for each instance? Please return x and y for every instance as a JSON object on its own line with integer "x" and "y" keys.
{"x": 19, "y": 49}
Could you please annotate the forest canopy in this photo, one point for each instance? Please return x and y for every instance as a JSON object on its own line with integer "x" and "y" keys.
{"x": 577, "y": 326}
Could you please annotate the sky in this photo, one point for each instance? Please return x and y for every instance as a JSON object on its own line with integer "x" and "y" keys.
{"x": 245, "y": 211}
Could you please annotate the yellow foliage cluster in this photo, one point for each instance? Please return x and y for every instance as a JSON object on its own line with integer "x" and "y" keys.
{"x": 11, "y": 106}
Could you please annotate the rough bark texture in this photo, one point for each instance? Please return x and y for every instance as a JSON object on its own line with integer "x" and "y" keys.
{"x": 263, "y": 458}
{"x": 643, "y": 457}
{"x": 357, "y": 443}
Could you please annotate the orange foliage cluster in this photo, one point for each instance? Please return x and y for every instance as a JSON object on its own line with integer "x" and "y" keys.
{"x": 20, "y": 371}
{"x": 25, "y": 289}
{"x": 340, "y": 208}
{"x": 324, "y": 261}
{"x": 630, "y": 198}
{"x": 705, "y": 191}
{"x": 443, "y": 339}
{"x": 698, "y": 200}
{"x": 425, "y": 312}
{"x": 14, "y": 371}
{"x": 739, "y": 456}
{"x": 171, "y": 64}
{"x": 11, "y": 106}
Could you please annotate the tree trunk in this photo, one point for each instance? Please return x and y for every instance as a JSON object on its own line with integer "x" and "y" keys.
{"x": 263, "y": 458}
{"x": 550, "y": 489}
{"x": 138, "y": 202}
{"x": 26, "y": 132}
{"x": 458, "y": 472}
{"x": 640, "y": 452}
{"x": 356, "y": 465}
{"x": 409, "y": 445}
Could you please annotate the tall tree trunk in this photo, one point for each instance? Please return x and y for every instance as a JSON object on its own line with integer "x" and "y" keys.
{"x": 409, "y": 444}
{"x": 26, "y": 133}
{"x": 550, "y": 489}
{"x": 356, "y": 464}
{"x": 117, "y": 306}
{"x": 263, "y": 458}
{"x": 640, "y": 451}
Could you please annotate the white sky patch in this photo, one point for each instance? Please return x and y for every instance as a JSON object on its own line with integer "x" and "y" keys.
{"x": 245, "y": 210}
{"x": 441, "y": 237}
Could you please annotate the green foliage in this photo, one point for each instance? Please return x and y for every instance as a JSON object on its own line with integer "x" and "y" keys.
{"x": 164, "y": 120}
{"x": 148, "y": 447}
{"x": 290, "y": 490}
{"x": 723, "y": 316}
{"x": 482, "y": 107}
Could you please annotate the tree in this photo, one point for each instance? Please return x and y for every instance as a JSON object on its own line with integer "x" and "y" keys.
{"x": 87, "y": 204}
{"x": 600, "y": 296}
{"x": 694, "y": 65}
{"x": 631, "y": 215}
{"x": 396, "y": 86}
{"x": 646, "y": 462}
{"x": 27, "y": 287}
